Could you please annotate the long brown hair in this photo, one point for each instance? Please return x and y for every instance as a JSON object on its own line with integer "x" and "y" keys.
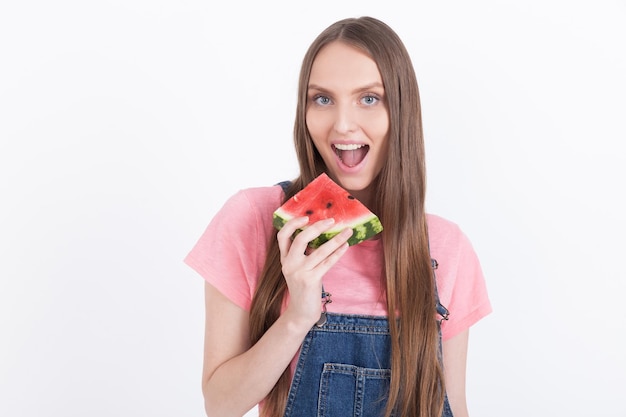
{"x": 417, "y": 386}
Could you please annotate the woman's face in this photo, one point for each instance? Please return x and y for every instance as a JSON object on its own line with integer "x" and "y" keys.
{"x": 347, "y": 116}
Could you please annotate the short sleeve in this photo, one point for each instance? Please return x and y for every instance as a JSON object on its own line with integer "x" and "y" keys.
{"x": 230, "y": 253}
{"x": 460, "y": 281}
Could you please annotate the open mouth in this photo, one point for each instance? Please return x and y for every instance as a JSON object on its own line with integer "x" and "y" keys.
{"x": 351, "y": 154}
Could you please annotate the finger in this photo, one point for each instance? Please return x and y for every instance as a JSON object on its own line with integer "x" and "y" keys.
{"x": 324, "y": 266}
{"x": 286, "y": 232}
{"x": 292, "y": 225}
{"x": 301, "y": 241}
{"x": 334, "y": 257}
{"x": 330, "y": 247}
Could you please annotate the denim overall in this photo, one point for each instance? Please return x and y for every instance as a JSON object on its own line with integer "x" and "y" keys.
{"x": 344, "y": 369}
{"x": 344, "y": 366}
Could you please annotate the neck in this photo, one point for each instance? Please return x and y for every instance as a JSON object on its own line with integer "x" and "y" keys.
{"x": 365, "y": 196}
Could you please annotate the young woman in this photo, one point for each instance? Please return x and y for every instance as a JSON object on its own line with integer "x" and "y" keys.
{"x": 358, "y": 120}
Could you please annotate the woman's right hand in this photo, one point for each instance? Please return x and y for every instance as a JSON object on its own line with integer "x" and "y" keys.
{"x": 237, "y": 375}
{"x": 304, "y": 268}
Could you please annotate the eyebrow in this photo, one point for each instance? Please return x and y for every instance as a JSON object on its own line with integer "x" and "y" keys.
{"x": 359, "y": 89}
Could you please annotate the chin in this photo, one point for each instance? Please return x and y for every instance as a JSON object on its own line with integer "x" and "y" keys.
{"x": 359, "y": 180}
{"x": 355, "y": 184}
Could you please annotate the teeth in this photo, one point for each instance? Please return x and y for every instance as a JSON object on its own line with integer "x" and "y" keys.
{"x": 346, "y": 147}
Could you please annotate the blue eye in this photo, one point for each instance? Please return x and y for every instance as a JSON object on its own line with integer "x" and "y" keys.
{"x": 370, "y": 100}
{"x": 321, "y": 100}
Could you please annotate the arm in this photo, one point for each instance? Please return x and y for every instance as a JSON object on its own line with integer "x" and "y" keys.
{"x": 236, "y": 376}
{"x": 454, "y": 365}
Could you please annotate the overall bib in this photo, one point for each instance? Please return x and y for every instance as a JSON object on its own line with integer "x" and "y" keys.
{"x": 344, "y": 368}
{"x": 344, "y": 365}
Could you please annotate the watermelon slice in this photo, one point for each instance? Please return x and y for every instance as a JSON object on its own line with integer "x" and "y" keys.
{"x": 322, "y": 199}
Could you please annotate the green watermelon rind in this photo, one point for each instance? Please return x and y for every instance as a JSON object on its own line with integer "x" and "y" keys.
{"x": 363, "y": 229}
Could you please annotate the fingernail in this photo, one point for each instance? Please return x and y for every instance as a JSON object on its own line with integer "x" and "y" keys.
{"x": 328, "y": 222}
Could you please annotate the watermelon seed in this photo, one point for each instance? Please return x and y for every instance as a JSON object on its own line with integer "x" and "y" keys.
{"x": 329, "y": 205}
{"x": 351, "y": 197}
{"x": 309, "y": 212}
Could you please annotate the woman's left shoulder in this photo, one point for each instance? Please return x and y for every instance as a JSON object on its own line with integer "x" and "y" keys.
{"x": 447, "y": 239}
{"x": 460, "y": 280}
{"x": 437, "y": 222}
{"x": 440, "y": 228}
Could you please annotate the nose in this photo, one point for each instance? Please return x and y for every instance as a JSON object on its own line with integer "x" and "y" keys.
{"x": 345, "y": 119}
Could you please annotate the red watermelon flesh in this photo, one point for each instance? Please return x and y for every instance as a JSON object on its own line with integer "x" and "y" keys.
{"x": 322, "y": 199}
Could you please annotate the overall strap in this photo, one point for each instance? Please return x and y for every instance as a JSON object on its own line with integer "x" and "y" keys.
{"x": 441, "y": 310}
{"x": 284, "y": 185}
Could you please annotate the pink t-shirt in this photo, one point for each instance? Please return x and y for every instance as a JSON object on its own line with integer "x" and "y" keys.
{"x": 231, "y": 252}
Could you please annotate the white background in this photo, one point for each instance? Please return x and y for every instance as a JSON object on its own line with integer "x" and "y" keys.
{"x": 125, "y": 125}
